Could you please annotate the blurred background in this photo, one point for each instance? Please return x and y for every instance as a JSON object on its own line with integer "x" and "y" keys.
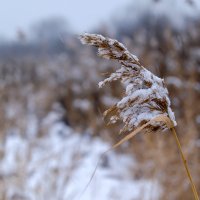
{"x": 52, "y": 130}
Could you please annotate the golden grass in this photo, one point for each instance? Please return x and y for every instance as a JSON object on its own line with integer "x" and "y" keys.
{"x": 137, "y": 76}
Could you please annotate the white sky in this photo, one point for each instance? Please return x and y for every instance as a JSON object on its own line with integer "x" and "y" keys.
{"x": 81, "y": 14}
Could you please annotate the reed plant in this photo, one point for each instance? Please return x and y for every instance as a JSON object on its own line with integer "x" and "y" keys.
{"x": 145, "y": 105}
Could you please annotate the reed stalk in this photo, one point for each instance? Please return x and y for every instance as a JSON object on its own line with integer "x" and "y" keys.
{"x": 194, "y": 190}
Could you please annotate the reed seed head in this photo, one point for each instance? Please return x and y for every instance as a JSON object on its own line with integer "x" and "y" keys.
{"x": 146, "y": 95}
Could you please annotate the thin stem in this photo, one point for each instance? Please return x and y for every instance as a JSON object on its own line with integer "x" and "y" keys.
{"x": 196, "y": 197}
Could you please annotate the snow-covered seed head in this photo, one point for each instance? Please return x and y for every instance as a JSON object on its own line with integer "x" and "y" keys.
{"x": 146, "y": 96}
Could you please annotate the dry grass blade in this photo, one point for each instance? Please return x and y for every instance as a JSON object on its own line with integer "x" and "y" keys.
{"x": 161, "y": 118}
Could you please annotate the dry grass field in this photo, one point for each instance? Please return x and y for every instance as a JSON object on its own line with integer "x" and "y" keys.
{"x": 34, "y": 83}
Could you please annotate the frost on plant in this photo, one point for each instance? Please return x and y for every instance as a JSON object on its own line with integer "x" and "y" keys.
{"x": 146, "y": 96}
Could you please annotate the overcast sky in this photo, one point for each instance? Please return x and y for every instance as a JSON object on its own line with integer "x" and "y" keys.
{"x": 81, "y": 14}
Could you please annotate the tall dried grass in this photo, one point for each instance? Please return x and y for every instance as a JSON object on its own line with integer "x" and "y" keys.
{"x": 146, "y": 104}
{"x": 30, "y": 86}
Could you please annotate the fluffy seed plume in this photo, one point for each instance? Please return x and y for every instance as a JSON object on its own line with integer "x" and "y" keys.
{"x": 146, "y": 96}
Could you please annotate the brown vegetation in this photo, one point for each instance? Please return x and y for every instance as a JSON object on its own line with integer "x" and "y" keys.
{"x": 29, "y": 86}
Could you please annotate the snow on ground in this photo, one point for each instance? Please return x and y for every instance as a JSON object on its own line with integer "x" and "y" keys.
{"x": 58, "y": 166}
